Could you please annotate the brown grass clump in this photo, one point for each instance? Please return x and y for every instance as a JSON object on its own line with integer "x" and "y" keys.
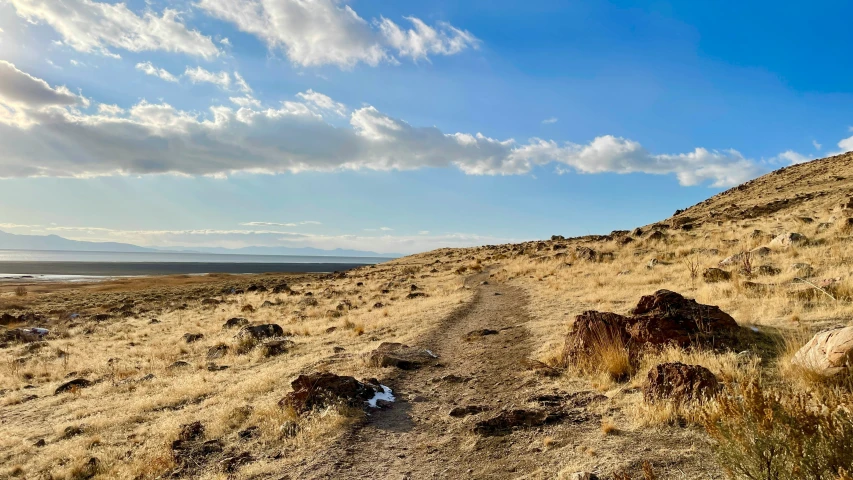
{"x": 606, "y": 355}
{"x": 20, "y": 291}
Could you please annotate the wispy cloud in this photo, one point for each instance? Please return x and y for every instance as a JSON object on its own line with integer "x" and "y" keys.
{"x": 817, "y": 146}
{"x": 277, "y": 224}
{"x": 548, "y": 121}
{"x": 149, "y": 69}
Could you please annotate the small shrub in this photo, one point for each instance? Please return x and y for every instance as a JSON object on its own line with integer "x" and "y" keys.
{"x": 20, "y": 291}
{"x": 769, "y": 435}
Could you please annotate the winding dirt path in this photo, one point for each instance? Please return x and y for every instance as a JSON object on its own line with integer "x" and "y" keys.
{"x": 417, "y": 438}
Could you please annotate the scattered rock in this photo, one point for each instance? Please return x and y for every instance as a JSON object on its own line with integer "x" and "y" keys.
{"x": 827, "y": 353}
{"x": 416, "y": 295}
{"x": 459, "y": 412}
{"x": 72, "y": 386}
{"x": 178, "y": 364}
{"x": 193, "y": 337}
{"x": 803, "y": 270}
{"x": 714, "y": 275}
{"x": 786, "y": 240}
{"x": 401, "y": 356}
{"x": 260, "y": 332}
{"x": 276, "y": 346}
{"x": 233, "y": 463}
{"x": 212, "y": 367}
{"x": 217, "y": 351}
{"x": 72, "y": 431}
{"x": 247, "y": 308}
{"x": 322, "y": 389}
{"x": 508, "y": 420}
{"x": 760, "y": 252}
{"x": 679, "y": 382}
{"x": 210, "y": 301}
{"x": 769, "y": 270}
{"x": 40, "y": 443}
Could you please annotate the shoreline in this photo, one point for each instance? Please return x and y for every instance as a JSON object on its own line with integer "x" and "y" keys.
{"x": 21, "y": 269}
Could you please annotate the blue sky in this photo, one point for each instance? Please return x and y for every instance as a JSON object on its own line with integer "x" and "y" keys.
{"x": 402, "y": 126}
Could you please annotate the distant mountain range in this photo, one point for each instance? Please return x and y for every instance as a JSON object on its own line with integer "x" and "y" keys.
{"x": 11, "y": 241}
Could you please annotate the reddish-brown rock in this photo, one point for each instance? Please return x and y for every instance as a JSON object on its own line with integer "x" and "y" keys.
{"x": 322, "y": 389}
{"x": 679, "y": 382}
{"x": 668, "y": 317}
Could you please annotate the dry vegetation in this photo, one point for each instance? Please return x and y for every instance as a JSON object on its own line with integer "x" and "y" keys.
{"x": 771, "y": 420}
{"x": 142, "y": 395}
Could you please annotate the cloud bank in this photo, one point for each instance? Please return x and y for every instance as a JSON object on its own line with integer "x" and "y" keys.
{"x": 294, "y": 136}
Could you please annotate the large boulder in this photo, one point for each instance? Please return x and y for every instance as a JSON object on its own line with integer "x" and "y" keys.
{"x": 323, "y": 389}
{"x": 665, "y": 317}
{"x": 679, "y": 382}
{"x": 401, "y": 356}
{"x": 668, "y": 317}
{"x": 786, "y": 240}
{"x": 827, "y": 353}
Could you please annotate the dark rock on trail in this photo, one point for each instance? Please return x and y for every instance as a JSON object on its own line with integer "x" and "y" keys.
{"x": 475, "y": 334}
{"x": 322, "y": 389}
{"x": 398, "y": 355}
{"x": 459, "y": 412}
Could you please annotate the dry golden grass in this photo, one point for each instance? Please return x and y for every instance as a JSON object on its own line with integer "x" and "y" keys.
{"x": 129, "y": 420}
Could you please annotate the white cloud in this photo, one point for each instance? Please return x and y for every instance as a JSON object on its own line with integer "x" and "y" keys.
{"x": 241, "y": 83}
{"x": 423, "y": 232}
{"x": 158, "y": 138}
{"x": 21, "y": 90}
{"x": 276, "y": 224}
{"x": 551, "y": 120}
{"x": 105, "y": 109}
{"x": 385, "y": 229}
{"x": 845, "y": 145}
{"x": 247, "y": 101}
{"x": 225, "y": 41}
{"x": 150, "y": 69}
{"x": 327, "y": 32}
{"x": 90, "y": 26}
{"x": 200, "y": 75}
{"x": 76, "y": 63}
{"x": 323, "y": 102}
{"x": 423, "y": 40}
{"x": 794, "y": 157}
{"x": 817, "y": 146}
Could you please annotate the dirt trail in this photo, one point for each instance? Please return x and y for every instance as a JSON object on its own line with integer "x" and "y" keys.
{"x": 417, "y": 438}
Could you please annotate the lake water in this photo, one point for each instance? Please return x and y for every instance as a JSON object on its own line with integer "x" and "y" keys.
{"x": 56, "y": 264}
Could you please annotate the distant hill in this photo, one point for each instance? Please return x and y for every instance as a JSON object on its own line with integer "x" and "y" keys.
{"x": 11, "y": 241}
{"x": 308, "y": 251}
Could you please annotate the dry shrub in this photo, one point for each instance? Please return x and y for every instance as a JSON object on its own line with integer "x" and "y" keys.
{"x": 763, "y": 434}
{"x": 21, "y": 291}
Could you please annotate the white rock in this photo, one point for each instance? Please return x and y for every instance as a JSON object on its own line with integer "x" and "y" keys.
{"x": 827, "y": 353}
